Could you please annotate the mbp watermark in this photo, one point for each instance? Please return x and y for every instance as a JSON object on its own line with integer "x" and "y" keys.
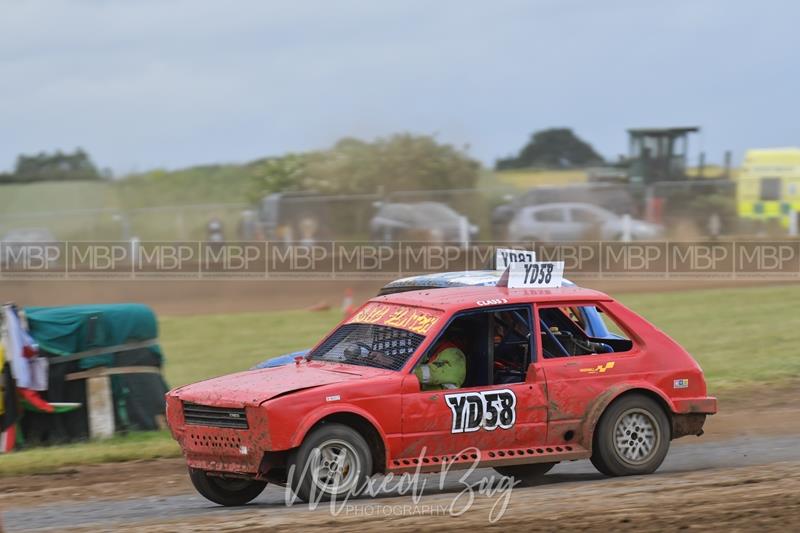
{"x": 100, "y": 259}
{"x": 580, "y": 258}
{"x": 236, "y": 260}
{"x": 420, "y": 258}
{"x": 32, "y": 260}
{"x": 387, "y": 261}
{"x": 701, "y": 260}
{"x": 635, "y": 260}
{"x": 366, "y": 260}
{"x": 779, "y": 259}
{"x": 300, "y": 260}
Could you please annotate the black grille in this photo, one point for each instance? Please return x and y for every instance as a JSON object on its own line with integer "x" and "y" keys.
{"x": 219, "y": 417}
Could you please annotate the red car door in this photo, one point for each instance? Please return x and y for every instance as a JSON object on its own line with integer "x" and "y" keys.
{"x": 465, "y": 420}
{"x": 485, "y": 414}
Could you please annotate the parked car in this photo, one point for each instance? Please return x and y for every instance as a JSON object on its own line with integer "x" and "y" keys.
{"x": 613, "y": 197}
{"x": 535, "y": 390}
{"x": 427, "y": 221}
{"x": 574, "y": 222}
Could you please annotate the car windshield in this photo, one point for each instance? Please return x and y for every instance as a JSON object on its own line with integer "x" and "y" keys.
{"x": 372, "y": 345}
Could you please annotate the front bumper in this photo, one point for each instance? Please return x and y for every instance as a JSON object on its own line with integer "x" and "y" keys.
{"x": 220, "y": 449}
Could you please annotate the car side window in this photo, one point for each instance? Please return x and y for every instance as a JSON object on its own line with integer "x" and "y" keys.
{"x": 455, "y": 359}
{"x": 477, "y": 349}
{"x": 584, "y": 216}
{"x": 549, "y": 215}
{"x": 511, "y": 344}
{"x": 563, "y": 334}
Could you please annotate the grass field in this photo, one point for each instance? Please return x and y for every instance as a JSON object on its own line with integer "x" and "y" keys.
{"x": 138, "y": 445}
{"x": 55, "y": 196}
{"x": 201, "y": 185}
{"x": 198, "y": 347}
{"x": 741, "y": 337}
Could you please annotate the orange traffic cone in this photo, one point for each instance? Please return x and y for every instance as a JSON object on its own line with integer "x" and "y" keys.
{"x": 347, "y": 303}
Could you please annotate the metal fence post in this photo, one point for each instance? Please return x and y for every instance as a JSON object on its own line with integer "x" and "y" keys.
{"x": 463, "y": 231}
{"x": 626, "y": 228}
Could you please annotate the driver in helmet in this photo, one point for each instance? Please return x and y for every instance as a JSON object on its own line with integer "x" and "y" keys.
{"x": 447, "y": 367}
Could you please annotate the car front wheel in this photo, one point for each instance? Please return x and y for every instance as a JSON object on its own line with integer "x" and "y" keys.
{"x": 632, "y": 437}
{"x": 226, "y": 491}
{"x": 334, "y": 461}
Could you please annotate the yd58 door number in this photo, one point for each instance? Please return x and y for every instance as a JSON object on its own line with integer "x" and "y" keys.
{"x": 488, "y": 410}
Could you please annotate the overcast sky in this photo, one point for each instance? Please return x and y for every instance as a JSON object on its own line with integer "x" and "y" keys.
{"x": 170, "y": 83}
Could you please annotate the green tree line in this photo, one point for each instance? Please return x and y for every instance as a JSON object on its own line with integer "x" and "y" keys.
{"x": 56, "y": 166}
{"x": 402, "y": 161}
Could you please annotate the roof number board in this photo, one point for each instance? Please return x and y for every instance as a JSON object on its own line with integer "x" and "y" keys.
{"x": 540, "y": 275}
{"x": 506, "y": 256}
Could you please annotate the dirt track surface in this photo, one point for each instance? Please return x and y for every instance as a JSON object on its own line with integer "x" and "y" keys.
{"x": 741, "y": 499}
{"x": 743, "y": 475}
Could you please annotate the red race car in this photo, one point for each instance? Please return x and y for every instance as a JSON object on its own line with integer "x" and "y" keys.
{"x": 525, "y": 388}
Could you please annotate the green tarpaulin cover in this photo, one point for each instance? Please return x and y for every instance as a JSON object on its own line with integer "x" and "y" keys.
{"x": 66, "y": 331}
{"x": 78, "y": 328}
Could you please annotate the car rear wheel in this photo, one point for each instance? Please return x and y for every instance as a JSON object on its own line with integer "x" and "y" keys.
{"x": 226, "y": 491}
{"x": 527, "y": 474}
{"x": 334, "y": 461}
{"x": 632, "y": 437}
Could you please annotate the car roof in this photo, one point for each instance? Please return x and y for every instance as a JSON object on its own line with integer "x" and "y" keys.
{"x": 440, "y": 280}
{"x": 455, "y": 298}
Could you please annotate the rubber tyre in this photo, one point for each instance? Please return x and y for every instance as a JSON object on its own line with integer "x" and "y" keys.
{"x": 605, "y": 456}
{"x": 229, "y": 492}
{"x": 528, "y": 474}
{"x": 301, "y": 480}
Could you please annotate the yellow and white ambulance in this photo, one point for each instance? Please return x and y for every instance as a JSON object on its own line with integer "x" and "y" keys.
{"x": 769, "y": 184}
